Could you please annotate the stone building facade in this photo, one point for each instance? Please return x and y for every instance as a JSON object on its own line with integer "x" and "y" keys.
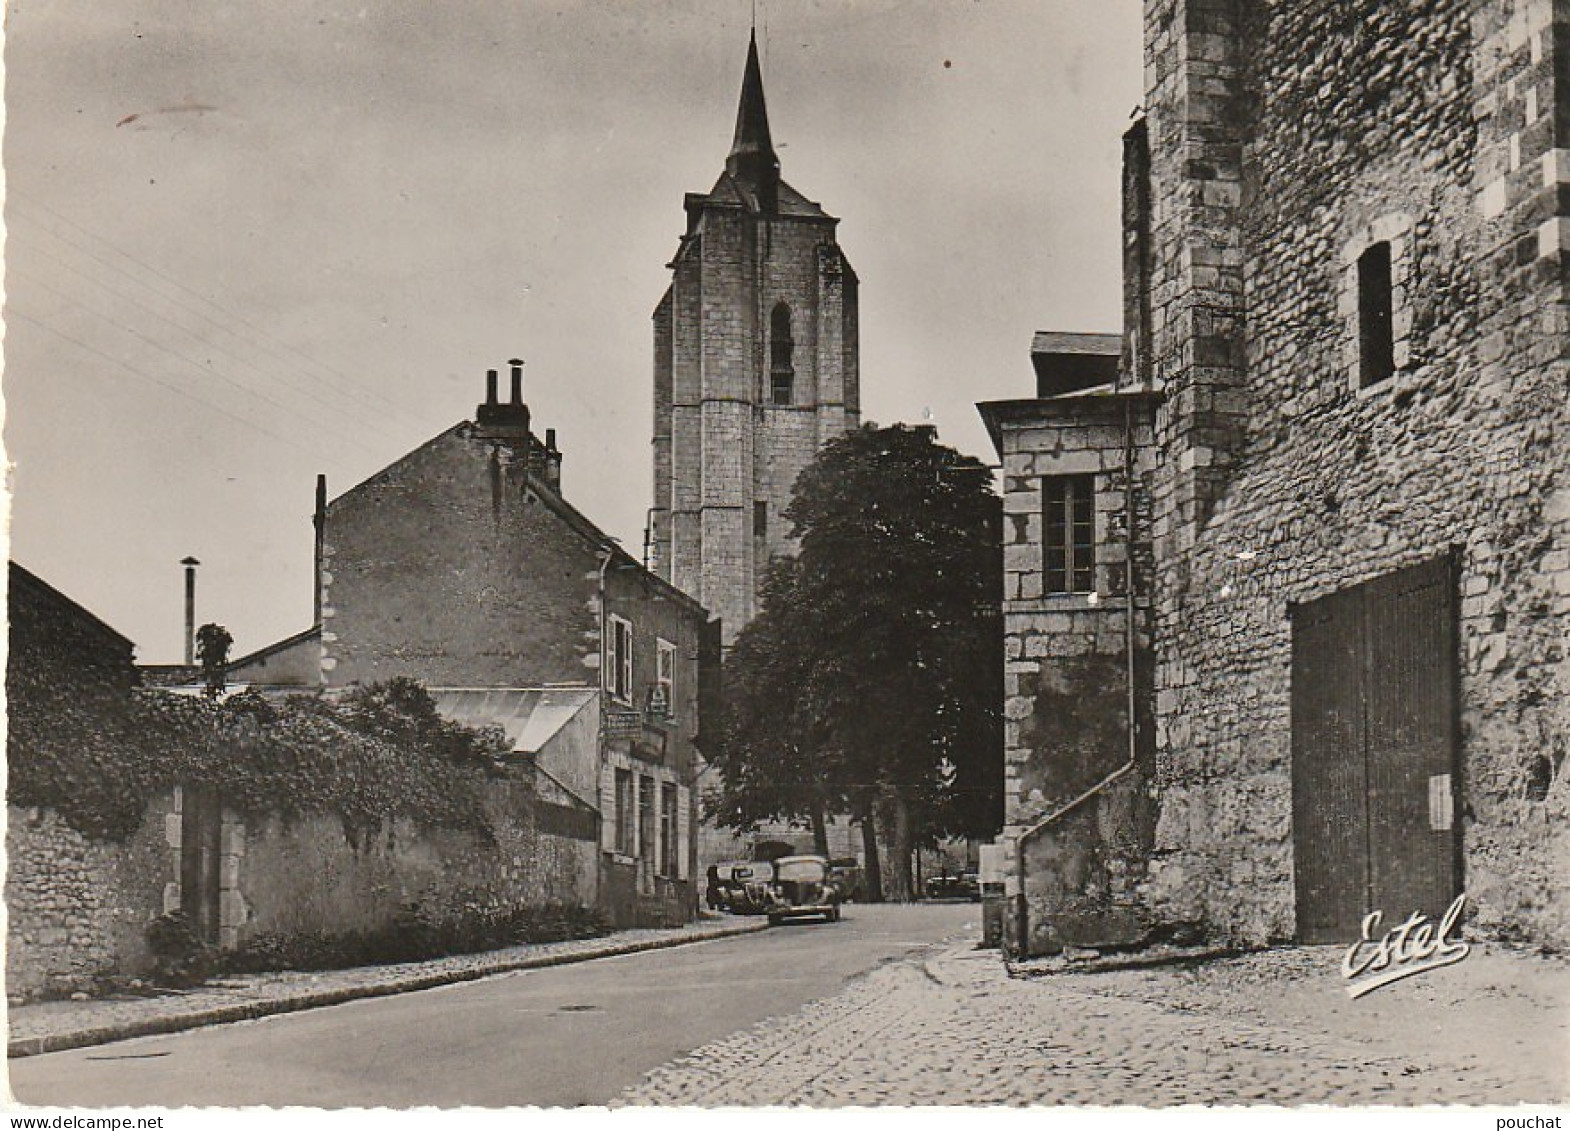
{"x": 755, "y": 369}
{"x": 1346, "y": 229}
{"x": 1078, "y": 466}
{"x": 462, "y": 565}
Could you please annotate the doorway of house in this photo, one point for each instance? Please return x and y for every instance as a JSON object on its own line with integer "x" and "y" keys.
{"x": 1374, "y": 752}
{"x": 201, "y": 834}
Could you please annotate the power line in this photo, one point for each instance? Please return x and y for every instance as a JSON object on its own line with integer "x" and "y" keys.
{"x": 352, "y": 398}
{"x": 119, "y": 294}
{"x": 175, "y": 389}
{"x": 371, "y": 396}
{"x": 193, "y": 362}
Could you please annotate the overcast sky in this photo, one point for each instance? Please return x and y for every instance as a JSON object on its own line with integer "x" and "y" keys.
{"x": 250, "y": 242}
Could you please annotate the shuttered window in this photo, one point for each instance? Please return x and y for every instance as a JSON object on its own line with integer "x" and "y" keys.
{"x": 646, "y": 826}
{"x": 683, "y": 829}
{"x": 626, "y": 813}
{"x": 669, "y": 842}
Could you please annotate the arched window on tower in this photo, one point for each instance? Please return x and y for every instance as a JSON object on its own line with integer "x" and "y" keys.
{"x": 782, "y": 377}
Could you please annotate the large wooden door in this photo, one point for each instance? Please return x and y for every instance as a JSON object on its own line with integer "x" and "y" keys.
{"x": 1374, "y": 752}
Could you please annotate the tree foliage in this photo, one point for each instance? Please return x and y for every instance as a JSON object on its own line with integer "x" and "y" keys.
{"x": 871, "y": 681}
{"x": 213, "y": 642}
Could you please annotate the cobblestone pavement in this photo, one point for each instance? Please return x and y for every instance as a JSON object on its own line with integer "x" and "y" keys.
{"x": 48, "y": 1026}
{"x": 954, "y": 1028}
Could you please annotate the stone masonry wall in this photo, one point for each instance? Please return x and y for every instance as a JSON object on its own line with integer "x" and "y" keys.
{"x": 421, "y": 577}
{"x": 1066, "y": 725}
{"x": 79, "y": 907}
{"x": 729, "y": 447}
{"x": 1431, "y": 126}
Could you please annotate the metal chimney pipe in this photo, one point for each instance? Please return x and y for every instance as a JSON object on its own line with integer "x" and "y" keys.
{"x": 319, "y": 521}
{"x": 517, "y": 380}
{"x": 490, "y": 386}
{"x": 190, "y": 565}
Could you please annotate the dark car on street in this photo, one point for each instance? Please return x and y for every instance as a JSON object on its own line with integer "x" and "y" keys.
{"x": 802, "y": 886}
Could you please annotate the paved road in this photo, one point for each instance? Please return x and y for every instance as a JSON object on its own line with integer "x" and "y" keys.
{"x": 565, "y": 1036}
{"x": 953, "y": 1028}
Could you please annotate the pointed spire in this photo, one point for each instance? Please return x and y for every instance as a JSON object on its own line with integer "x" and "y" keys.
{"x": 752, "y": 160}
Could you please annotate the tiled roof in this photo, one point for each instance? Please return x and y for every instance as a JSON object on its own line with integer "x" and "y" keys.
{"x": 1058, "y": 342}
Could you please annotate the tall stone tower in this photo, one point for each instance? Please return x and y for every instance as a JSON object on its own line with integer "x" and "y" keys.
{"x": 755, "y": 369}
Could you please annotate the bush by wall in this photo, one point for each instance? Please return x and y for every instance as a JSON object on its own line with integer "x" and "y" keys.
{"x": 414, "y": 936}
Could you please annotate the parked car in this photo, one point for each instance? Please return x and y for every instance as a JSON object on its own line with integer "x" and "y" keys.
{"x": 846, "y": 873}
{"x": 964, "y": 885}
{"x": 802, "y": 885}
{"x": 746, "y": 893}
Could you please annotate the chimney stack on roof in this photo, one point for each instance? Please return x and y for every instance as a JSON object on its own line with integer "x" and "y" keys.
{"x": 511, "y": 419}
{"x": 510, "y": 422}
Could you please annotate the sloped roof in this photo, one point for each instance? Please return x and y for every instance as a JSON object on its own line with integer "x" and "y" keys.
{"x": 267, "y": 652}
{"x": 1060, "y": 342}
{"x": 23, "y": 581}
{"x": 530, "y": 716}
{"x": 729, "y": 192}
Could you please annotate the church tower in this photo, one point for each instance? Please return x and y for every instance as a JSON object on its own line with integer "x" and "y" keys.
{"x": 755, "y": 369}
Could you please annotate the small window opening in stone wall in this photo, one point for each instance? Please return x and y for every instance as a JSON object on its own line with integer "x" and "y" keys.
{"x": 782, "y": 375}
{"x": 1375, "y": 310}
{"x": 1375, "y": 303}
{"x": 1540, "y": 778}
{"x": 1069, "y": 533}
{"x": 760, "y": 519}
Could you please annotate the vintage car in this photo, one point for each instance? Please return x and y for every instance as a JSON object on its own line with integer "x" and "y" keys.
{"x": 965, "y": 885}
{"x": 746, "y": 890}
{"x": 802, "y": 886}
{"x": 847, "y": 876}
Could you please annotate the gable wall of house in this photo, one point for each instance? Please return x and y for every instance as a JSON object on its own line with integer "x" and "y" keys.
{"x": 447, "y": 568}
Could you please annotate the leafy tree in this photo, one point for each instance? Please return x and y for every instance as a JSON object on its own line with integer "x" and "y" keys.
{"x": 871, "y": 682}
{"x": 776, "y": 761}
{"x": 401, "y": 711}
{"x": 212, "y": 653}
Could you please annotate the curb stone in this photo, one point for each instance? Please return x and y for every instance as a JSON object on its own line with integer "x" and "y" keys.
{"x": 251, "y": 1010}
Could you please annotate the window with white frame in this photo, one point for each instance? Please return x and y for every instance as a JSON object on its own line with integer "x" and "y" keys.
{"x": 664, "y": 700}
{"x": 618, "y": 658}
